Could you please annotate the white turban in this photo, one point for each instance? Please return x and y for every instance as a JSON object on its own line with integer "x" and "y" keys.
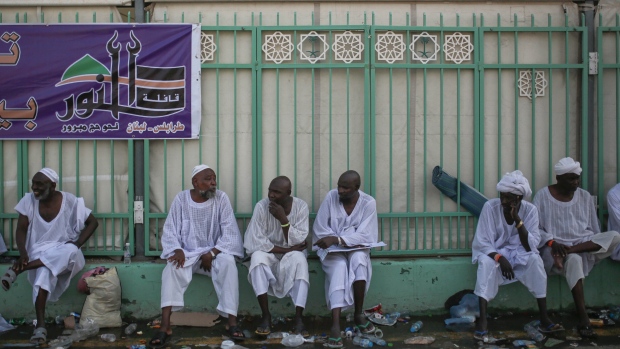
{"x": 516, "y": 183}
{"x": 567, "y": 165}
{"x": 198, "y": 169}
{"x": 49, "y": 173}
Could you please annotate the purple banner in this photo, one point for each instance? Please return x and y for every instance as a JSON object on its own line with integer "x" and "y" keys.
{"x": 99, "y": 81}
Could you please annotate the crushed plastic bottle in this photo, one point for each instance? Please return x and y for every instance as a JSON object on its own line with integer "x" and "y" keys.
{"x": 378, "y": 341}
{"x": 86, "y": 328}
{"x": 362, "y": 342}
{"x": 416, "y": 327}
{"x": 293, "y": 340}
{"x": 533, "y": 333}
{"x": 108, "y": 337}
{"x": 131, "y": 328}
{"x": 392, "y": 317}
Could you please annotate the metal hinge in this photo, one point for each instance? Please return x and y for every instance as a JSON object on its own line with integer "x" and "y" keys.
{"x": 138, "y": 212}
{"x": 593, "y": 63}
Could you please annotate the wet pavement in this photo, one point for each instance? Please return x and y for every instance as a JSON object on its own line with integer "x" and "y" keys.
{"x": 506, "y": 325}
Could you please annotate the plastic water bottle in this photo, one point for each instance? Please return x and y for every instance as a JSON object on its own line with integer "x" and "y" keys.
{"x": 392, "y": 317}
{"x": 416, "y": 326}
{"x": 377, "y": 341}
{"x": 108, "y": 337}
{"x": 131, "y": 329}
{"x": 362, "y": 342}
{"x": 127, "y": 254}
{"x": 533, "y": 333}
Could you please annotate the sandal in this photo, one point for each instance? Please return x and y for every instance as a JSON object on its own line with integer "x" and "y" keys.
{"x": 39, "y": 336}
{"x": 235, "y": 332}
{"x": 334, "y": 343}
{"x": 550, "y": 329}
{"x": 263, "y": 331}
{"x": 8, "y": 279}
{"x": 587, "y": 332}
{"x": 367, "y": 328}
{"x": 160, "y": 336}
{"x": 480, "y": 335}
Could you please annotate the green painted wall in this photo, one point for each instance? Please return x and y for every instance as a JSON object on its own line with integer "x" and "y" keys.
{"x": 418, "y": 285}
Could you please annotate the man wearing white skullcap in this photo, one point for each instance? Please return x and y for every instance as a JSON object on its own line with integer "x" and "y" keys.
{"x": 505, "y": 248}
{"x": 200, "y": 236}
{"x": 51, "y": 227}
{"x": 571, "y": 239}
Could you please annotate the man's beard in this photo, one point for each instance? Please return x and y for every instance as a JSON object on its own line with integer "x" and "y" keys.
{"x": 345, "y": 200}
{"x": 207, "y": 194}
{"x": 44, "y": 195}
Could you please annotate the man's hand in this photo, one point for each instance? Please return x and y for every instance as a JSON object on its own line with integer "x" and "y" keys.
{"x": 514, "y": 212}
{"x": 21, "y": 262}
{"x": 299, "y": 247}
{"x": 178, "y": 258}
{"x": 559, "y": 250}
{"x": 326, "y": 242}
{"x": 507, "y": 271}
{"x": 206, "y": 261}
{"x": 278, "y": 212}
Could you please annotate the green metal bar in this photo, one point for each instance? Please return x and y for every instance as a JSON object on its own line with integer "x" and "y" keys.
{"x": 257, "y": 75}
{"x": 584, "y": 110}
{"x": 391, "y": 141}
{"x": 425, "y": 140}
{"x": 516, "y": 57}
{"x": 277, "y": 122}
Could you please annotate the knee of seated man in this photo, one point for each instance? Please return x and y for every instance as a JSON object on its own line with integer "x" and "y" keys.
{"x": 573, "y": 260}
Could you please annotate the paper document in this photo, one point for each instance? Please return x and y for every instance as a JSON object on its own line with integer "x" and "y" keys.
{"x": 323, "y": 252}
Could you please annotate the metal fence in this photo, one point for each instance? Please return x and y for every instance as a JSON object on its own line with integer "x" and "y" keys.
{"x": 391, "y": 101}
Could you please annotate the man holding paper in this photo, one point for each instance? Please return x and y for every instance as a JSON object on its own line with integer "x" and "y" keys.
{"x": 346, "y": 219}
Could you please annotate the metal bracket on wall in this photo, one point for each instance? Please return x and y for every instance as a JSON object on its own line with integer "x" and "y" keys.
{"x": 593, "y": 63}
{"x": 138, "y": 212}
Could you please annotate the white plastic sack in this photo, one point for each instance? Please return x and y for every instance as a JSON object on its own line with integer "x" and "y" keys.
{"x": 5, "y": 326}
{"x": 103, "y": 304}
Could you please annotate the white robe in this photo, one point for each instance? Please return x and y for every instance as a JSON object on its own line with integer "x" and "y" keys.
{"x": 197, "y": 228}
{"x": 494, "y": 234}
{"x": 47, "y": 241}
{"x": 344, "y": 268}
{"x": 613, "y": 222}
{"x": 571, "y": 223}
{"x": 264, "y": 233}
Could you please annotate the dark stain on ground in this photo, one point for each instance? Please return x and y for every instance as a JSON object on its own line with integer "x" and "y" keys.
{"x": 403, "y": 271}
{"x": 127, "y": 301}
{"x": 386, "y": 263}
{"x": 144, "y": 277}
{"x": 433, "y": 280}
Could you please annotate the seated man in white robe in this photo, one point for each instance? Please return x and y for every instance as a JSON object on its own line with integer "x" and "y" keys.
{"x": 276, "y": 241}
{"x": 507, "y": 236}
{"x": 200, "y": 236}
{"x": 347, "y": 218}
{"x": 571, "y": 241}
{"x": 613, "y": 222}
{"x": 51, "y": 227}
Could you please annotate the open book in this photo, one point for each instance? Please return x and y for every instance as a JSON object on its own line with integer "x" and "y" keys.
{"x": 323, "y": 252}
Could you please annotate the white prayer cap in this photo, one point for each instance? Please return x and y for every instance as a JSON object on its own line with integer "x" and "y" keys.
{"x": 199, "y": 168}
{"x": 567, "y": 165}
{"x": 516, "y": 183}
{"x": 49, "y": 173}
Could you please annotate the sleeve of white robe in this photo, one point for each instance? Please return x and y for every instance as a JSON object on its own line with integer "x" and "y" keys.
{"x": 542, "y": 229}
{"x": 321, "y": 227}
{"x": 368, "y": 229}
{"x": 300, "y": 226}
{"x": 230, "y": 240}
{"x": 255, "y": 235}
{"x": 171, "y": 237}
{"x": 613, "y": 206}
{"x": 593, "y": 225}
{"x": 484, "y": 238}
